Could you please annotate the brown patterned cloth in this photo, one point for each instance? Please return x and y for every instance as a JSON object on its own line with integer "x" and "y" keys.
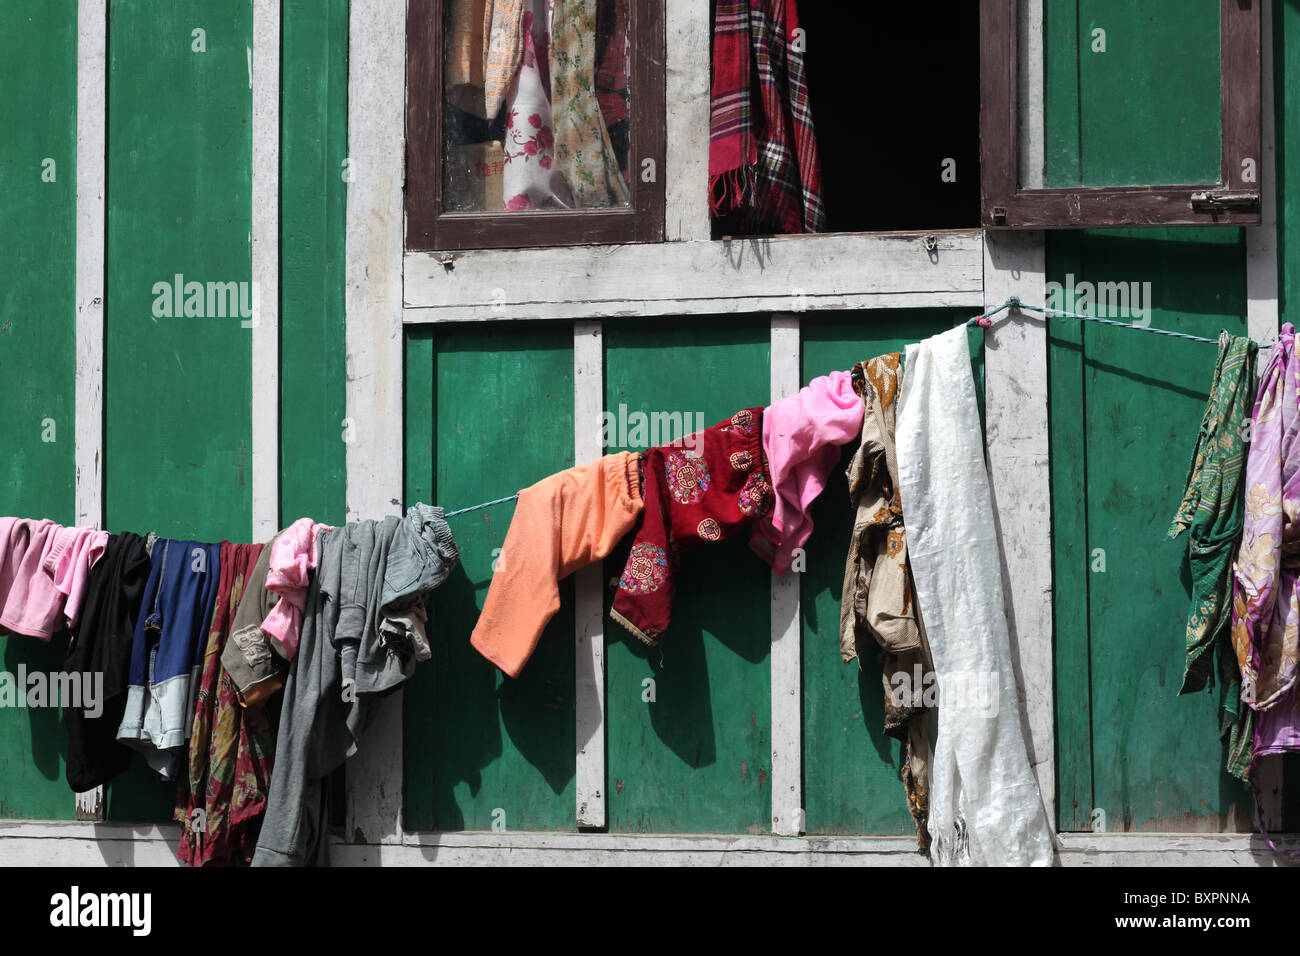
{"x": 485, "y": 47}
{"x": 878, "y": 606}
{"x": 221, "y": 800}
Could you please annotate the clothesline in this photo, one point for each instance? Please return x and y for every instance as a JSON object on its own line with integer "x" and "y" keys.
{"x": 983, "y": 321}
{"x": 1014, "y": 302}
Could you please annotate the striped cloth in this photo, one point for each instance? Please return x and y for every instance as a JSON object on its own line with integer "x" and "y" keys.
{"x": 762, "y": 162}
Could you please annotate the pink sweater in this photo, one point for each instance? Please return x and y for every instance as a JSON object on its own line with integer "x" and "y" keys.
{"x": 801, "y": 439}
{"x": 293, "y": 555}
{"x": 43, "y": 573}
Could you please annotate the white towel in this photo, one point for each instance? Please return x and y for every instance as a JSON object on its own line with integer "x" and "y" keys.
{"x": 985, "y": 807}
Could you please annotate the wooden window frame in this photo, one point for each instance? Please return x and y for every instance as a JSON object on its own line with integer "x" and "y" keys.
{"x": 430, "y": 228}
{"x": 1005, "y": 204}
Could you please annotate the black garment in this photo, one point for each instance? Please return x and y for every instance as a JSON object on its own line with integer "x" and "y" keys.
{"x": 101, "y": 643}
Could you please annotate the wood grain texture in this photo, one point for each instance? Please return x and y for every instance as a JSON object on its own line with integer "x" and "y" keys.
{"x": 484, "y": 749}
{"x": 780, "y": 274}
{"x": 312, "y": 209}
{"x": 697, "y": 758}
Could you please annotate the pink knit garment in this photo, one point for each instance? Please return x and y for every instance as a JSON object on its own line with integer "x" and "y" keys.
{"x": 801, "y": 439}
{"x": 73, "y": 552}
{"x": 43, "y": 573}
{"x": 293, "y": 556}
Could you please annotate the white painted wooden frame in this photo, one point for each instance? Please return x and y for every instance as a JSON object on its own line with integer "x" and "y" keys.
{"x": 787, "y": 636}
{"x": 589, "y": 615}
{"x": 373, "y": 302}
{"x": 92, "y": 119}
{"x": 1262, "y": 315}
{"x": 264, "y": 79}
{"x": 1016, "y": 446}
{"x": 778, "y": 274}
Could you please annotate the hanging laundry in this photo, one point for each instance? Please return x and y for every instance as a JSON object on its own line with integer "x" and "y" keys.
{"x": 422, "y": 557}
{"x": 530, "y": 178}
{"x": 165, "y": 652}
{"x": 985, "y": 807}
{"x": 101, "y": 644}
{"x": 878, "y": 603}
{"x": 43, "y": 572}
{"x": 562, "y": 523}
{"x": 1266, "y": 574}
{"x": 703, "y": 488}
{"x": 293, "y": 557}
{"x": 584, "y": 154}
{"x": 255, "y": 669}
{"x": 469, "y": 30}
{"x": 221, "y": 797}
{"x": 1212, "y": 513}
{"x": 344, "y": 662}
{"x": 802, "y": 436}
{"x": 613, "y": 51}
{"x": 763, "y": 158}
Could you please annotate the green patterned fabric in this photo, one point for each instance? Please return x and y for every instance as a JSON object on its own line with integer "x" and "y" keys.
{"x": 1212, "y": 512}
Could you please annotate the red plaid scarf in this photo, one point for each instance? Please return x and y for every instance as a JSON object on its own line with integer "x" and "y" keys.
{"x": 766, "y": 163}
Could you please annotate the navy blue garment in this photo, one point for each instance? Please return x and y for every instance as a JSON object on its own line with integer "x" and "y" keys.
{"x": 166, "y": 652}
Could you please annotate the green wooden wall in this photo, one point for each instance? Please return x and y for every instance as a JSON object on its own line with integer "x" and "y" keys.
{"x": 38, "y": 114}
{"x": 1125, "y": 408}
{"x": 177, "y": 415}
{"x": 489, "y": 411}
{"x": 1143, "y": 111}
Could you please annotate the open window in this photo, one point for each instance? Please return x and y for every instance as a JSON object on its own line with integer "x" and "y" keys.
{"x": 1069, "y": 132}
{"x": 534, "y": 123}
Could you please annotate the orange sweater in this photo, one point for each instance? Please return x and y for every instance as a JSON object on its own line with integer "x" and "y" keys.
{"x": 562, "y": 523}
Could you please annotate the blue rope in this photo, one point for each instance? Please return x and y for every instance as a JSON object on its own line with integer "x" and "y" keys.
{"x": 486, "y": 504}
{"x": 1011, "y": 303}
{"x": 1015, "y": 302}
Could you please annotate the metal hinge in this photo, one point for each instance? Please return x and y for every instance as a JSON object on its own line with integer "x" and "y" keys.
{"x": 1220, "y": 202}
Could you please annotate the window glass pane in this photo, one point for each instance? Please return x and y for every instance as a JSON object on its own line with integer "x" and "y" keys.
{"x": 537, "y": 100}
{"x": 1128, "y": 94}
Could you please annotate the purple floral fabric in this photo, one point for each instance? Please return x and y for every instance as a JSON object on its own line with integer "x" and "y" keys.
{"x": 1266, "y": 574}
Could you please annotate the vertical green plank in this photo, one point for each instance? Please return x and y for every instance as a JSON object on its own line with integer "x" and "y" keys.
{"x": 1157, "y": 758}
{"x": 1286, "y": 71}
{"x": 698, "y": 758}
{"x": 314, "y": 125}
{"x": 1070, "y": 557}
{"x": 502, "y": 749}
{"x": 418, "y": 738}
{"x": 1147, "y": 107}
{"x": 1061, "y": 155}
{"x": 177, "y": 389}
{"x": 851, "y": 782}
{"x": 38, "y": 113}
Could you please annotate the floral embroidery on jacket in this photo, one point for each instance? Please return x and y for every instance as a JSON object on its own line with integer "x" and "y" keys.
{"x": 687, "y": 475}
{"x": 646, "y": 569}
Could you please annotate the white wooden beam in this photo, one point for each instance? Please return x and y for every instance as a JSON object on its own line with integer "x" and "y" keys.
{"x": 92, "y": 118}
{"x": 589, "y": 617}
{"x": 677, "y": 278}
{"x": 1016, "y": 442}
{"x": 374, "y": 459}
{"x": 787, "y": 641}
{"x": 688, "y": 79}
{"x": 265, "y": 243}
{"x": 1262, "y": 317}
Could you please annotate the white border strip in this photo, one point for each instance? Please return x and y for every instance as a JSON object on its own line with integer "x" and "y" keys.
{"x": 1016, "y": 443}
{"x": 787, "y": 656}
{"x": 1262, "y": 314}
{"x": 92, "y": 118}
{"x": 686, "y": 186}
{"x": 375, "y": 455}
{"x": 265, "y": 245}
{"x": 589, "y": 617}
